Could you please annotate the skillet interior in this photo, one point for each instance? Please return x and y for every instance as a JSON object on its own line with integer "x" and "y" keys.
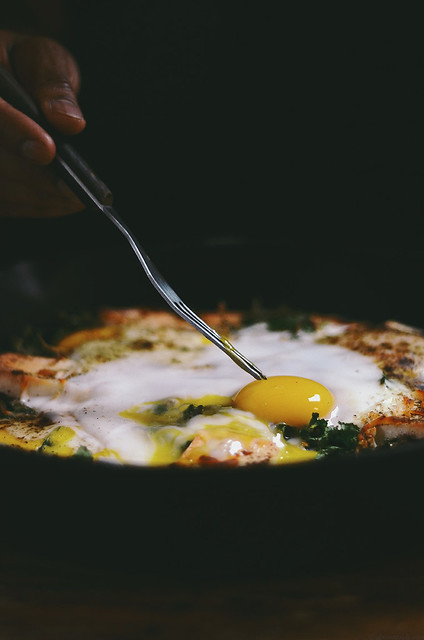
{"x": 282, "y": 519}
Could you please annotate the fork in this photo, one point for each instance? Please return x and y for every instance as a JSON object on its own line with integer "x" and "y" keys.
{"x": 94, "y": 193}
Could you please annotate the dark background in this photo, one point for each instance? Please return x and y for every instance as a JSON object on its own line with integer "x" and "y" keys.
{"x": 296, "y": 127}
{"x": 248, "y": 119}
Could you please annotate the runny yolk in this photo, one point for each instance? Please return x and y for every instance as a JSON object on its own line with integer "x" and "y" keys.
{"x": 287, "y": 399}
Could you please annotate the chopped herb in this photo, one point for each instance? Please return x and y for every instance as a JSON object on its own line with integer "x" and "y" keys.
{"x": 83, "y": 452}
{"x": 191, "y": 411}
{"x": 45, "y": 444}
{"x": 33, "y": 339}
{"x": 173, "y": 411}
{"x": 290, "y": 321}
{"x": 287, "y": 431}
{"x": 383, "y": 379}
{"x": 160, "y": 409}
{"x": 324, "y": 438}
{"x": 186, "y": 445}
{"x": 10, "y": 407}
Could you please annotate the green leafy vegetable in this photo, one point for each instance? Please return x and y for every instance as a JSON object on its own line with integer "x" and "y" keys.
{"x": 37, "y": 340}
{"x": 83, "y": 452}
{"x": 45, "y": 445}
{"x": 191, "y": 411}
{"x": 12, "y": 408}
{"x": 383, "y": 379}
{"x": 290, "y": 321}
{"x": 324, "y": 438}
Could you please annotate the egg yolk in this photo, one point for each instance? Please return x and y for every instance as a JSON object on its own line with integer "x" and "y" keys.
{"x": 287, "y": 399}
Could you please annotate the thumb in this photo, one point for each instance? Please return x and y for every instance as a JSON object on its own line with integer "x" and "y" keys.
{"x": 51, "y": 75}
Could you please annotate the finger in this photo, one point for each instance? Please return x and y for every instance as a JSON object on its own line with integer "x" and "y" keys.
{"x": 24, "y": 137}
{"x": 51, "y": 75}
{"x": 19, "y": 200}
{"x": 31, "y": 190}
{"x": 33, "y": 210}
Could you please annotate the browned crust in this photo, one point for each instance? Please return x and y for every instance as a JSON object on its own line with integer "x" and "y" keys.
{"x": 259, "y": 450}
{"x": 147, "y": 317}
{"x": 398, "y": 352}
{"x": 219, "y": 320}
{"x": 386, "y": 428}
{"x": 74, "y": 340}
{"x": 33, "y": 374}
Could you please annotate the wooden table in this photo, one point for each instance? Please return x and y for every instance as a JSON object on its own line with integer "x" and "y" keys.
{"x": 42, "y": 601}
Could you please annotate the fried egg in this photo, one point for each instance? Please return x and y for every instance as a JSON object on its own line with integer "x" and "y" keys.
{"x": 142, "y": 407}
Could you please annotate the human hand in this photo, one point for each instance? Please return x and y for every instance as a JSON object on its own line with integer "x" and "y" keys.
{"x": 28, "y": 186}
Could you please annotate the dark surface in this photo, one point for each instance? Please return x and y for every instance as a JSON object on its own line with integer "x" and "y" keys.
{"x": 331, "y": 553}
{"x": 382, "y": 601}
{"x": 229, "y": 522}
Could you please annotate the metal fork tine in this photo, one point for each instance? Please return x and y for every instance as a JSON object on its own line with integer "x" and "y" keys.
{"x": 198, "y": 320}
{"x": 177, "y": 304}
{"x": 225, "y": 345}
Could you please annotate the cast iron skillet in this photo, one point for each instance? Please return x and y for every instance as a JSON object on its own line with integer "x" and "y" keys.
{"x": 263, "y": 520}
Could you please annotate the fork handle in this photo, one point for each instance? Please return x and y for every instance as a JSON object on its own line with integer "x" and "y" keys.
{"x": 68, "y": 162}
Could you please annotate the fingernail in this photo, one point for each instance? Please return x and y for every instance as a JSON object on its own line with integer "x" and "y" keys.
{"x": 66, "y": 107}
{"x": 34, "y": 151}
